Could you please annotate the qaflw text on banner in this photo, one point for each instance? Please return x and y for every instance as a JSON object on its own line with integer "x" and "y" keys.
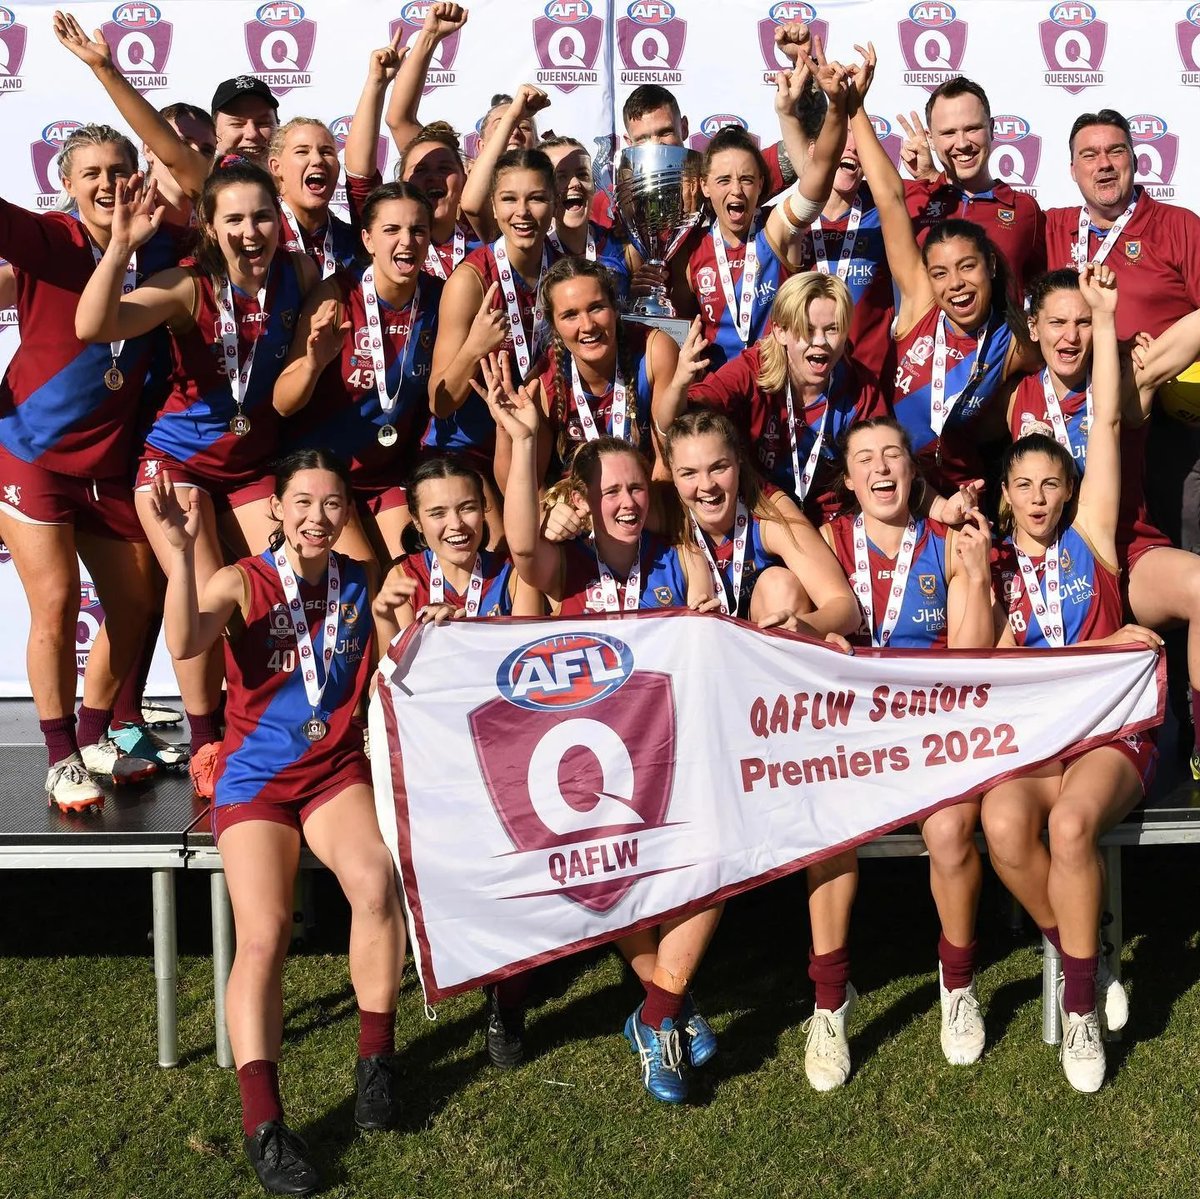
{"x": 545, "y": 786}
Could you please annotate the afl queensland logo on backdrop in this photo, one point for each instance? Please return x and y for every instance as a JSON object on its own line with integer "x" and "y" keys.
{"x": 13, "y": 37}
{"x": 933, "y": 42}
{"x": 1016, "y": 152}
{"x": 1073, "y": 41}
{"x": 567, "y": 39}
{"x": 712, "y": 125}
{"x": 441, "y": 71}
{"x": 279, "y": 43}
{"x": 87, "y": 624}
{"x": 786, "y": 12}
{"x": 1187, "y": 38}
{"x": 141, "y": 43}
{"x": 1157, "y": 151}
{"x": 650, "y": 40}
{"x": 42, "y": 154}
{"x": 577, "y": 751}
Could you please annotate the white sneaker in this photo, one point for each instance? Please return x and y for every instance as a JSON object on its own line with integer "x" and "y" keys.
{"x": 105, "y": 760}
{"x": 963, "y": 1033}
{"x": 68, "y": 786}
{"x": 1111, "y": 1000}
{"x": 1082, "y": 1052}
{"x": 827, "y": 1050}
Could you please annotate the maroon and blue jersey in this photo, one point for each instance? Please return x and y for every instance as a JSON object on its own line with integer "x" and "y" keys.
{"x": 922, "y": 622}
{"x": 755, "y": 562}
{"x": 663, "y": 579}
{"x": 265, "y": 755}
{"x": 344, "y": 414}
{"x": 953, "y": 459}
{"x": 55, "y": 408}
{"x": 193, "y": 425}
{"x": 1090, "y": 593}
{"x": 717, "y": 322}
{"x": 346, "y": 240}
{"x": 498, "y": 583}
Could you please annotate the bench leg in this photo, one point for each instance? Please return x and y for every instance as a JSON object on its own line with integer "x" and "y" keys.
{"x": 1111, "y": 925}
{"x": 166, "y": 961}
{"x": 222, "y": 937}
{"x": 1051, "y": 973}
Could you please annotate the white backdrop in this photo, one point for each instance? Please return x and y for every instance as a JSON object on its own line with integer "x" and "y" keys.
{"x": 1042, "y": 64}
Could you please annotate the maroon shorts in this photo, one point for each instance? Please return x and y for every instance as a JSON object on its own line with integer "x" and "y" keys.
{"x": 295, "y": 813}
{"x": 385, "y": 498}
{"x": 102, "y": 507}
{"x": 225, "y": 496}
{"x": 1140, "y": 748}
{"x": 1135, "y": 540}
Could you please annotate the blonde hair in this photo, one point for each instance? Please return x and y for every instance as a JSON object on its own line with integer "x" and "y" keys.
{"x": 279, "y": 137}
{"x": 90, "y": 135}
{"x": 790, "y": 313}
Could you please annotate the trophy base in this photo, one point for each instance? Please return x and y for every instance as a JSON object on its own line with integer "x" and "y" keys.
{"x": 676, "y": 328}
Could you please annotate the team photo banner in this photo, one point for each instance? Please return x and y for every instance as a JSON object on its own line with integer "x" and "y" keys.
{"x": 545, "y": 786}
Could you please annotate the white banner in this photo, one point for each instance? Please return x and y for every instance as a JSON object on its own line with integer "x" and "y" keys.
{"x": 547, "y": 786}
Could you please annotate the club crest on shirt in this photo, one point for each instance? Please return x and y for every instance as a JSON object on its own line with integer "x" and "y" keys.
{"x": 350, "y": 613}
{"x": 1133, "y": 250}
{"x": 706, "y": 280}
{"x": 1011, "y": 586}
{"x": 1006, "y": 216}
{"x": 1064, "y": 560}
{"x": 928, "y": 584}
{"x": 665, "y": 596}
{"x": 920, "y": 351}
{"x": 288, "y": 317}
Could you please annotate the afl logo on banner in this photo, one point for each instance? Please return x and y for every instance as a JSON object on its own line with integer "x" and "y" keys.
{"x": 712, "y": 125}
{"x": 1016, "y": 152}
{"x": 564, "y": 672}
{"x": 1157, "y": 152}
{"x": 141, "y": 43}
{"x": 933, "y": 42}
{"x": 1187, "y": 38}
{"x": 650, "y": 39}
{"x": 279, "y": 43}
{"x": 43, "y": 153}
{"x": 441, "y": 71}
{"x": 1073, "y": 42}
{"x": 567, "y": 39}
{"x": 786, "y": 12}
{"x": 584, "y": 767}
{"x": 13, "y": 37}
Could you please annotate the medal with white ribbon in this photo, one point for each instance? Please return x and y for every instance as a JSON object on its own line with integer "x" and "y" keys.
{"x": 1081, "y": 255}
{"x": 458, "y": 251}
{"x": 325, "y": 259}
{"x": 608, "y": 583}
{"x": 387, "y": 435}
{"x": 237, "y": 373}
{"x": 1055, "y": 413}
{"x": 804, "y": 478}
{"x": 114, "y": 379}
{"x": 742, "y": 311}
{"x": 740, "y": 538}
{"x": 942, "y": 405}
{"x": 862, "y": 581}
{"x": 474, "y": 596}
{"x": 589, "y": 250}
{"x": 847, "y": 254}
{"x": 315, "y": 728}
{"x": 618, "y": 409}
{"x": 1047, "y": 609}
{"x": 522, "y": 350}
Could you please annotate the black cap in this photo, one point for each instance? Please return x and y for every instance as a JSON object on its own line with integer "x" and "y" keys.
{"x": 235, "y": 89}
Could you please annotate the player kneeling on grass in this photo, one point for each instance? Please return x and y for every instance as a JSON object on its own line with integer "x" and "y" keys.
{"x": 299, "y": 651}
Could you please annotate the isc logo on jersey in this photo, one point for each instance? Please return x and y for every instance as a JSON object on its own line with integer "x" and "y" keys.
{"x": 279, "y": 44}
{"x": 786, "y": 12}
{"x": 567, "y": 39}
{"x": 1016, "y": 152}
{"x": 933, "y": 41}
{"x": 141, "y": 43}
{"x": 1073, "y": 41}
{"x": 13, "y": 38}
{"x": 1187, "y": 39}
{"x": 650, "y": 40}
{"x": 564, "y": 672}
{"x": 712, "y": 125}
{"x": 441, "y": 71}
{"x": 42, "y": 154}
{"x": 1157, "y": 151}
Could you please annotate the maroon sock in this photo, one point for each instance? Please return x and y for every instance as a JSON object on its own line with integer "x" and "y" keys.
{"x": 660, "y": 1005}
{"x": 1195, "y": 713}
{"x": 376, "y": 1033}
{"x": 510, "y": 992}
{"x": 93, "y": 724}
{"x": 60, "y": 737}
{"x": 1051, "y": 935}
{"x": 958, "y": 963}
{"x": 205, "y": 729}
{"x": 1079, "y": 983}
{"x": 127, "y": 709}
{"x": 258, "y": 1083}
{"x": 830, "y": 972}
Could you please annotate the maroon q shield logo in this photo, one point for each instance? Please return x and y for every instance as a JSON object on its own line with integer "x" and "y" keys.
{"x": 42, "y": 155}
{"x": 565, "y": 776}
{"x": 13, "y": 38}
{"x": 87, "y": 624}
{"x": 1016, "y": 151}
{"x": 141, "y": 43}
{"x": 1187, "y": 38}
{"x": 279, "y": 43}
{"x": 1073, "y": 42}
{"x": 786, "y": 12}
{"x": 567, "y": 39}
{"x": 441, "y": 71}
{"x": 650, "y": 41}
{"x": 933, "y": 42}
{"x": 891, "y": 142}
{"x": 1157, "y": 152}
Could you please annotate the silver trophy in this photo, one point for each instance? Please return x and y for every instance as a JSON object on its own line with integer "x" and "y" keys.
{"x": 658, "y": 196}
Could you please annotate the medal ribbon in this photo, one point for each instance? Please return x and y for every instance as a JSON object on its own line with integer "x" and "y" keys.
{"x": 1047, "y": 611}
{"x": 437, "y": 586}
{"x": 942, "y": 407}
{"x": 589, "y": 251}
{"x": 804, "y": 478}
{"x": 862, "y": 581}
{"x": 522, "y": 350}
{"x": 458, "y": 251}
{"x": 742, "y": 311}
{"x": 1055, "y": 413}
{"x": 387, "y": 400}
{"x": 313, "y": 689}
{"x": 608, "y": 584}
{"x": 1084, "y": 234}
{"x": 847, "y": 254}
{"x": 326, "y": 261}
{"x": 237, "y": 374}
{"x": 740, "y": 539}
{"x": 130, "y": 282}
{"x": 618, "y": 409}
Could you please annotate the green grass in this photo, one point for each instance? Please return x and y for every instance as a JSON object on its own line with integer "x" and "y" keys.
{"x": 83, "y": 1110}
